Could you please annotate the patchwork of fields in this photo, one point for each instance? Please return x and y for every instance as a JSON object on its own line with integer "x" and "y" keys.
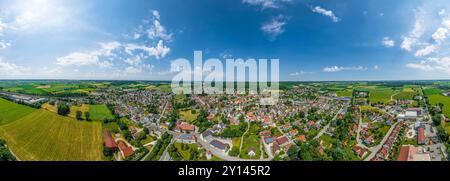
{"x": 45, "y": 136}
{"x": 10, "y": 111}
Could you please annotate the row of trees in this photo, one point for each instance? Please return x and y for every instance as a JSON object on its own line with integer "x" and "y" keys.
{"x": 159, "y": 147}
{"x": 5, "y": 154}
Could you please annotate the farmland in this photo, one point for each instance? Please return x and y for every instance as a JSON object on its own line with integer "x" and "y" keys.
{"x": 46, "y": 136}
{"x": 100, "y": 112}
{"x": 431, "y": 91}
{"x": 48, "y": 88}
{"x": 83, "y": 108}
{"x": 438, "y": 98}
{"x": 408, "y": 93}
{"x": 10, "y": 111}
{"x": 381, "y": 95}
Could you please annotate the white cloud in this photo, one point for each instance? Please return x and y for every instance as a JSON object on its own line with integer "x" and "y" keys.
{"x": 158, "y": 31}
{"x": 275, "y": 27}
{"x": 412, "y": 38}
{"x": 160, "y": 51}
{"x": 441, "y": 12}
{"x": 432, "y": 64}
{"x": 134, "y": 61}
{"x": 40, "y": 13}
{"x": 264, "y": 4}
{"x": 300, "y": 73}
{"x": 153, "y": 29}
{"x": 133, "y": 70}
{"x": 91, "y": 58}
{"x": 155, "y": 14}
{"x": 78, "y": 59}
{"x": 440, "y": 34}
{"x": 387, "y": 42}
{"x": 376, "y": 67}
{"x": 327, "y": 13}
{"x": 426, "y": 51}
{"x": 10, "y": 69}
{"x": 4, "y": 45}
{"x": 341, "y": 68}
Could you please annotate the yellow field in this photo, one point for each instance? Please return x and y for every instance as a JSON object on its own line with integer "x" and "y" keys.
{"x": 83, "y": 108}
{"x": 46, "y": 136}
{"x": 49, "y": 107}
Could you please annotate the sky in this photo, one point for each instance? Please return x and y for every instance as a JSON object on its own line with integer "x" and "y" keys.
{"x": 314, "y": 40}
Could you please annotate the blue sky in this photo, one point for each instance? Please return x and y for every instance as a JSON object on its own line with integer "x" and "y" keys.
{"x": 313, "y": 39}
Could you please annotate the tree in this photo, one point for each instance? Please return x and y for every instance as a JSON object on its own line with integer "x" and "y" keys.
{"x": 108, "y": 151}
{"x": 63, "y": 109}
{"x": 79, "y": 115}
{"x": 87, "y": 115}
{"x": 234, "y": 152}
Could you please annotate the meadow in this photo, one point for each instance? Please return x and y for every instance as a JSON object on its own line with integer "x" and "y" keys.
{"x": 100, "y": 112}
{"x": 46, "y": 136}
{"x": 381, "y": 95}
{"x": 408, "y": 93}
{"x": 438, "y": 98}
{"x": 431, "y": 91}
{"x": 10, "y": 111}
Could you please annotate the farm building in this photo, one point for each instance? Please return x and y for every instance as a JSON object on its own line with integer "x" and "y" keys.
{"x": 109, "y": 140}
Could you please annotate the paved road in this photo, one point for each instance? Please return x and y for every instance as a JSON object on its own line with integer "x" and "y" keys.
{"x": 165, "y": 156}
{"x": 222, "y": 155}
{"x": 358, "y": 135}
{"x": 375, "y": 149}
{"x": 324, "y": 129}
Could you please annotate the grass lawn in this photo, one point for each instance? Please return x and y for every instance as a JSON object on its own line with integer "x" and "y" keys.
{"x": 10, "y": 111}
{"x": 236, "y": 142}
{"x": 250, "y": 141}
{"x": 188, "y": 115}
{"x": 148, "y": 140}
{"x": 438, "y": 98}
{"x": 46, "y": 136}
{"x": 185, "y": 154}
{"x": 112, "y": 127}
{"x": 100, "y": 112}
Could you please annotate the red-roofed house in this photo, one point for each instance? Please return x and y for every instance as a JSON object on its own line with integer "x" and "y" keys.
{"x": 282, "y": 140}
{"x": 125, "y": 149}
{"x": 265, "y": 133}
{"x": 301, "y": 137}
{"x": 421, "y": 136}
{"x": 185, "y": 127}
{"x": 109, "y": 140}
{"x": 359, "y": 151}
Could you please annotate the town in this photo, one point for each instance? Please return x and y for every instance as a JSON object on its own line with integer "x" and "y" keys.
{"x": 145, "y": 121}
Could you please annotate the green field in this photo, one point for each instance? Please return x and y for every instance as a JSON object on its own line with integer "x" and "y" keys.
{"x": 381, "y": 95}
{"x": 438, "y": 98}
{"x": 46, "y": 136}
{"x": 100, "y": 112}
{"x": 345, "y": 93}
{"x": 10, "y": 111}
{"x": 408, "y": 93}
{"x": 49, "y": 88}
{"x": 431, "y": 91}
